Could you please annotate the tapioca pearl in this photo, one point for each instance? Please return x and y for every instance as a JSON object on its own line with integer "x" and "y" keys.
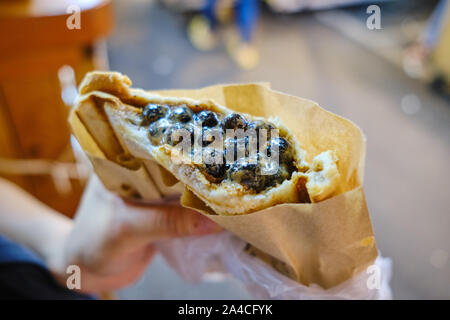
{"x": 278, "y": 177}
{"x": 212, "y": 155}
{"x": 209, "y": 135}
{"x": 239, "y": 171}
{"x": 180, "y": 114}
{"x": 238, "y": 147}
{"x": 153, "y": 112}
{"x": 228, "y": 162}
{"x": 214, "y": 165}
{"x": 178, "y": 132}
{"x": 247, "y": 175}
{"x": 282, "y": 144}
{"x": 260, "y": 124}
{"x": 230, "y": 149}
{"x": 207, "y": 118}
{"x": 215, "y": 172}
{"x": 157, "y": 131}
{"x": 234, "y": 121}
{"x": 242, "y": 145}
{"x": 257, "y": 125}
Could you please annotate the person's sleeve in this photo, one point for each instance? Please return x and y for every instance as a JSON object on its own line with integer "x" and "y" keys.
{"x": 23, "y": 275}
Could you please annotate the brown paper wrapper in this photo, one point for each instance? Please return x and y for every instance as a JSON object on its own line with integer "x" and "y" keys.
{"x": 324, "y": 243}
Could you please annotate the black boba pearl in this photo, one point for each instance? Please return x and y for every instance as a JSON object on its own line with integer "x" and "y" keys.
{"x": 153, "y": 112}
{"x": 237, "y": 144}
{"x": 215, "y": 171}
{"x": 250, "y": 167}
{"x": 260, "y": 124}
{"x": 238, "y": 170}
{"x": 276, "y": 178}
{"x": 241, "y": 143}
{"x": 154, "y": 131}
{"x": 234, "y": 121}
{"x": 208, "y": 118}
{"x": 247, "y": 175}
{"x": 207, "y": 137}
{"x": 174, "y": 141}
{"x": 228, "y": 165}
{"x": 157, "y": 131}
{"x": 229, "y": 149}
{"x": 283, "y": 146}
{"x": 181, "y": 114}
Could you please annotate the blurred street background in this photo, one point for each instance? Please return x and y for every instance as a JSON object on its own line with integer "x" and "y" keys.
{"x": 331, "y": 57}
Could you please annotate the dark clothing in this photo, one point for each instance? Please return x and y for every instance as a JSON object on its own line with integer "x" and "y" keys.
{"x": 23, "y": 275}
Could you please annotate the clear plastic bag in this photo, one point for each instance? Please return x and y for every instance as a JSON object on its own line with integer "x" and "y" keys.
{"x": 196, "y": 257}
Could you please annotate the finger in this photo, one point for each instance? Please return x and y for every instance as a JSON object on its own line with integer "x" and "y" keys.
{"x": 182, "y": 221}
{"x": 93, "y": 281}
{"x": 134, "y": 270}
{"x": 163, "y": 221}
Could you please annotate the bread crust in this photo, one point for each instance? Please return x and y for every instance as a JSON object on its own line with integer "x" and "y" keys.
{"x": 119, "y": 108}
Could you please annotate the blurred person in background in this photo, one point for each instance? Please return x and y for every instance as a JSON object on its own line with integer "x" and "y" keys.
{"x": 240, "y": 18}
{"x": 237, "y": 20}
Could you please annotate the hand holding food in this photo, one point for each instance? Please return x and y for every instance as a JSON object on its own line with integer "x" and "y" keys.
{"x": 276, "y": 170}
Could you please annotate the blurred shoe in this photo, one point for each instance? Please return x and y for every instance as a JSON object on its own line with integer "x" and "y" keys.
{"x": 244, "y": 54}
{"x": 414, "y": 59}
{"x": 200, "y": 33}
